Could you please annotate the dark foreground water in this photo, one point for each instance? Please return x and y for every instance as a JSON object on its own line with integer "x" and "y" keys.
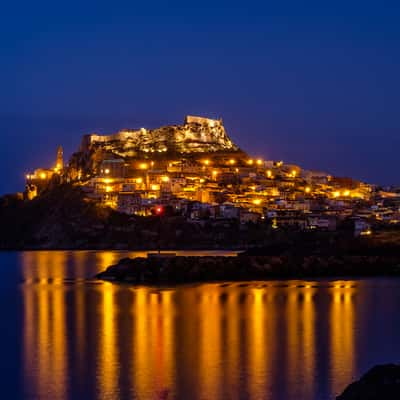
{"x": 63, "y": 337}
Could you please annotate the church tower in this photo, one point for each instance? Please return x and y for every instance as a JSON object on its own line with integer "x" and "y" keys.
{"x": 60, "y": 159}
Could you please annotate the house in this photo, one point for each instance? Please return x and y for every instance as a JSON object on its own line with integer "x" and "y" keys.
{"x": 361, "y": 227}
{"x": 249, "y": 216}
{"x": 322, "y": 222}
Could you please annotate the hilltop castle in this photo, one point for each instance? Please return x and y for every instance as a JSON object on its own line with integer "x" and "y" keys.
{"x": 196, "y": 135}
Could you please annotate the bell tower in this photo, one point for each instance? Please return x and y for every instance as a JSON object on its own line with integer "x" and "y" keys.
{"x": 60, "y": 159}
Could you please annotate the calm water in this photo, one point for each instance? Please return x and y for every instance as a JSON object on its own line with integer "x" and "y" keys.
{"x": 63, "y": 337}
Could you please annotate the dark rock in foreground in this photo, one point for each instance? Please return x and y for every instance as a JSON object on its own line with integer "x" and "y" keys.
{"x": 180, "y": 269}
{"x": 382, "y": 382}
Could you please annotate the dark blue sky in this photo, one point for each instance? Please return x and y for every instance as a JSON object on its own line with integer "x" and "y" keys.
{"x": 310, "y": 82}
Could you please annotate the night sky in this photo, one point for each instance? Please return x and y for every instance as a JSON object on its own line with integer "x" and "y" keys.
{"x": 314, "y": 83}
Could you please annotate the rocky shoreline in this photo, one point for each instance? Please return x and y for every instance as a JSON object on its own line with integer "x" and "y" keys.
{"x": 189, "y": 269}
{"x": 381, "y": 382}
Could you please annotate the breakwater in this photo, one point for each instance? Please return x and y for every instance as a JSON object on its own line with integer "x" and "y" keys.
{"x": 185, "y": 269}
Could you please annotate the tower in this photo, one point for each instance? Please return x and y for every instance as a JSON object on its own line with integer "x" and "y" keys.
{"x": 60, "y": 159}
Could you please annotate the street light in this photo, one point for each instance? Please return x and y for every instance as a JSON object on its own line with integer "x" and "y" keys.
{"x": 159, "y": 212}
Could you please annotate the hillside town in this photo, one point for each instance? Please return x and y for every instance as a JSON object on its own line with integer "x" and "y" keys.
{"x": 195, "y": 171}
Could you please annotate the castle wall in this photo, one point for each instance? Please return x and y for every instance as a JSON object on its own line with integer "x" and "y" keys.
{"x": 191, "y": 119}
{"x": 197, "y": 135}
{"x": 119, "y": 136}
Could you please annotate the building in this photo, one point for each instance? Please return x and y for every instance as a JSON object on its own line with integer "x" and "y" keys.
{"x": 113, "y": 168}
{"x": 190, "y": 119}
{"x": 247, "y": 216}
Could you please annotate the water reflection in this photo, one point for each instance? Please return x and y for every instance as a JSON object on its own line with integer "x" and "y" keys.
{"x": 342, "y": 334}
{"x": 257, "y": 341}
{"x": 45, "y": 339}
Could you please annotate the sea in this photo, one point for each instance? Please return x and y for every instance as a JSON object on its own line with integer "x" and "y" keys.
{"x": 66, "y": 335}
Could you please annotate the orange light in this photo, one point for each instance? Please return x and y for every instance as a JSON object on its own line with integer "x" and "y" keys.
{"x": 259, "y": 161}
{"x": 366, "y": 233}
{"x": 232, "y": 161}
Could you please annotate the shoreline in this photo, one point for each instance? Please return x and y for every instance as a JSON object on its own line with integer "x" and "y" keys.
{"x": 108, "y": 248}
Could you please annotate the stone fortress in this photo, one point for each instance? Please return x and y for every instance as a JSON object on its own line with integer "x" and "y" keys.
{"x": 197, "y": 134}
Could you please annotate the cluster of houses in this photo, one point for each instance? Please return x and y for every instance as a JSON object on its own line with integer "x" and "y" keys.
{"x": 221, "y": 185}
{"x": 250, "y": 191}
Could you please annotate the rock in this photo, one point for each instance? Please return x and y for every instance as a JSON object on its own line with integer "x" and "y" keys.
{"x": 183, "y": 269}
{"x": 382, "y": 382}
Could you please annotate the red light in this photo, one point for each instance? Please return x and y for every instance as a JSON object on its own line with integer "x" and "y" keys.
{"x": 159, "y": 210}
